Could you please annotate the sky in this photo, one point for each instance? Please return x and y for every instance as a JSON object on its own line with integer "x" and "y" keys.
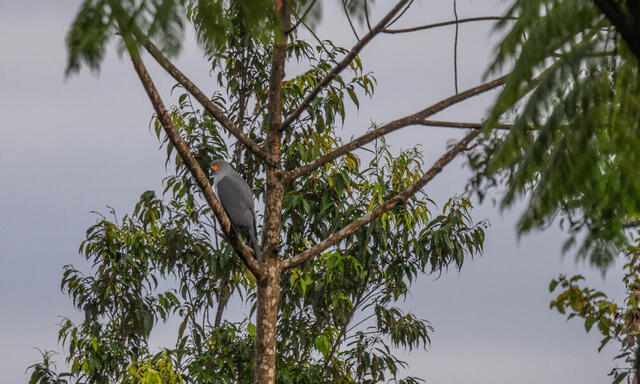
{"x": 75, "y": 145}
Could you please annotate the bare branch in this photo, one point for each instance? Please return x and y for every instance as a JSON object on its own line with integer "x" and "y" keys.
{"x": 395, "y": 20}
{"x": 321, "y": 44}
{"x": 460, "y": 125}
{"x": 335, "y": 71}
{"x": 201, "y": 97}
{"x": 192, "y": 164}
{"x": 301, "y": 18}
{"x": 400, "y": 198}
{"x": 455, "y": 45}
{"x": 416, "y": 118}
{"x": 346, "y": 12}
{"x": 631, "y": 223}
{"x": 446, "y": 23}
{"x": 366, "y": 14}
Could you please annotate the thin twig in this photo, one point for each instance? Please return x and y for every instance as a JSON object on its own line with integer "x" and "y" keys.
{"x": 301, "y": 18}
{"x": 343, "y": 329}
{"x": 446, "y": 23}
{"x": 455, "y": 46}
{"x": 322, "y": 45}
{"x": 459, "y": 125}
{"x": 401, "y": 14}
{"x": 346, "y": 12}
{"x": 366, "y": 14}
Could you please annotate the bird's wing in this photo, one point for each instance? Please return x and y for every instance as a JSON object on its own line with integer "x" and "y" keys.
{"x": 236, "y": 198}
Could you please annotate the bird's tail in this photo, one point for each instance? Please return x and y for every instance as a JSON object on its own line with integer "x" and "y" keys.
{"x": 256, "y": 246}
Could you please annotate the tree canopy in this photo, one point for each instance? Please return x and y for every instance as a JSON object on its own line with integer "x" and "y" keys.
{"x": 343, "y": 236}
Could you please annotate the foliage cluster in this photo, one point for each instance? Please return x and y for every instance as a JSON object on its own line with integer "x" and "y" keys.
{"x": 572, "y": 147}
{"x": 617, "y": 323}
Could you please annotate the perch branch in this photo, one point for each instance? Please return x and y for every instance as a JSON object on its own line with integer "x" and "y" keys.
{"x": 192, "y": 164}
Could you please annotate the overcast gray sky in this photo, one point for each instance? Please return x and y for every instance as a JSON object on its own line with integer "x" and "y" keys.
{"x": 70, "y": 147}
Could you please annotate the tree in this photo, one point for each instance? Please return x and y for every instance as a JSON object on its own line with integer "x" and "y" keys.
{"x": 572, "y": 98}
{"x": 343, "y": 238}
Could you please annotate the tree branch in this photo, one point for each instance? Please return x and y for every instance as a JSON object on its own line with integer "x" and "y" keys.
{"x": 416, "y": 118}
{"x": 246, "y": 254}
{"x": 395, "y": 19}
{"x": 446, "y": 23}
{"x": 455, "y": 46}
{"x": 631, "y": 223}
{"x": 400, "y": 198}
{"x": 193, "y": 89}
{"x": 301, "y": 18}
{"x": 460, "y": 125}
{"x": 335, "y": 71}
{"x": 623, "y": 24}
{"x": 346, "y": 12}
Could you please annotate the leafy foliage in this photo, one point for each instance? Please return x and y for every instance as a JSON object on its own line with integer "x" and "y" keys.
{"x": 340, "y": 319}
{"x": 96, "y": 23}
{"x": 572, "y": 91}
{"x": 617, "y": 323}
{"x": 163, "y": 21}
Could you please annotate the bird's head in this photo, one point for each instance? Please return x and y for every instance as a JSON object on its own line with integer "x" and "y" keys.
{"x": 219, "y": 166}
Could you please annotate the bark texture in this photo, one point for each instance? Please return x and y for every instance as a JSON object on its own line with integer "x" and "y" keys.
{"x": 266, "y": 325}
{"x": 268, "y": 298}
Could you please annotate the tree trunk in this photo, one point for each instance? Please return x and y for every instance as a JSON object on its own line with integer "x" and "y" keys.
{"x": 269, "y": 283}
{"x": 266, "y": 321}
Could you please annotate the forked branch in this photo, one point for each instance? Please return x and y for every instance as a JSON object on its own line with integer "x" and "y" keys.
{"x": 335, "y": 71}
{"x": 400, "y": 198}
{"x": 414, "y": 119}
{"x": 193, "y": 89}
{"x": 190, "y": 161}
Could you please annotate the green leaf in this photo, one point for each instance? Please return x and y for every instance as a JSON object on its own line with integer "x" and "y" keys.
{"x": 619, "y": 377}
{"x": 323, "y": 344}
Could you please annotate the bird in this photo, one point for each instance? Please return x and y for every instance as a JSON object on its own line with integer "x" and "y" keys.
{"x": 237, "y": 200}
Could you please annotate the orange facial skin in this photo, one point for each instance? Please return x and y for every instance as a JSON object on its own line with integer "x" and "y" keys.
{"x": 215, "y": 167}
